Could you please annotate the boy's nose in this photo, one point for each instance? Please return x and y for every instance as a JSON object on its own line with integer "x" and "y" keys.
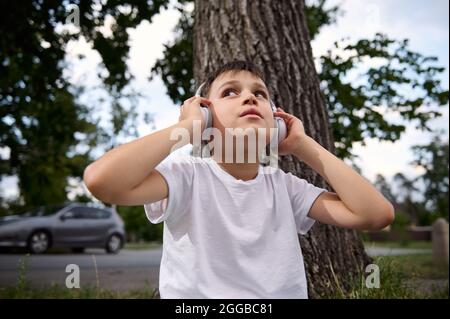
{"x": 250, "y": 99}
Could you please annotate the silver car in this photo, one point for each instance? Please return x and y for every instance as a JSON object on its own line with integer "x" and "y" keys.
{"x": 73, "y": 225}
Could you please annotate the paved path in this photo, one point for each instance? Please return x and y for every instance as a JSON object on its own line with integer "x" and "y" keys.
{"x": 129, "y": 269}
{"x": 384, "y": 251}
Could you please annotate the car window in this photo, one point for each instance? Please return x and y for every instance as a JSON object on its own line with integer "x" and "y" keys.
{"x": 76, "y": 212}
{"x": 89, "y": 213}
{"x": 95, "y": 213}
{"x": 82, "y": 212}
{"x": 44, "y": 211}
{"x": 103, "y": 214}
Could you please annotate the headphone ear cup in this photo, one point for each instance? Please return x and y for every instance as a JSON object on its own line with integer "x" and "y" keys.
{"x": 280, "y": 126}
{"x": 281, "y": 130}
{"x": 207, "y": 116}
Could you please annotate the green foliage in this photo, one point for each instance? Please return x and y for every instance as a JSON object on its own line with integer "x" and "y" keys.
{"x": 318, "y": 16}
{"x": 113, "y": 48}
{"x": 401, "y": 221}
{"x": 433, "y": 158}
{"x": 399, "y": 74}
{"x": 427, "y": 218}
{"x": 432, "y": 184}
{"x": 42, "y": 124}
{"x": 176, "y": 68}
{"x": 137, "y": 226}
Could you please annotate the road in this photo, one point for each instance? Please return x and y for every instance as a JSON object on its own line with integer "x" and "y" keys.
{"x": 129, "y": 269}
{"x": 385, "y": 251}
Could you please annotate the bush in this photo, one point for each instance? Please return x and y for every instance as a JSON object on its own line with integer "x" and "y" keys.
{"x": 401, "y": 221}
{"x": 137, "y": 225}
{"x": 427, "y": 218}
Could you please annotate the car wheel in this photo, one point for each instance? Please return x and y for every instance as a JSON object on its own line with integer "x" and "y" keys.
{"x": 77, "y": 250}
{"x": 39, "y": 242}
{"x": 113, "y": 244}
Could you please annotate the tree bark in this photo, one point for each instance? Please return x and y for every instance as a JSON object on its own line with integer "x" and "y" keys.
{"x": 274, "y": 35}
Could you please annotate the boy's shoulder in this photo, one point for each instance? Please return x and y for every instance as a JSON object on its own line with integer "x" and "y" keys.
{"x": 184, "y": 164}
{"x": 195, "y": 165}
{"x": 182, "y": 160}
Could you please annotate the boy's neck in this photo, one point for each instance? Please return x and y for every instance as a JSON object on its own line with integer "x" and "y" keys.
{"x": 243, "y": 171}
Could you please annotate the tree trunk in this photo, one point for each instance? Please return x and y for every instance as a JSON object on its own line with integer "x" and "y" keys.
{"x": 274, "y": 35}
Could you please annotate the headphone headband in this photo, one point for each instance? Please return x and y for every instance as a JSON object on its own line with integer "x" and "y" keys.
{"x": 199, "y": 90}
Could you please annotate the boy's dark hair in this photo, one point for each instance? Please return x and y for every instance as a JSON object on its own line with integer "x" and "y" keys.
{"x": 234, "y": 67}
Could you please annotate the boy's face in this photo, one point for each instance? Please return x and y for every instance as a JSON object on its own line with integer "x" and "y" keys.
{"x": 233, "y": 95}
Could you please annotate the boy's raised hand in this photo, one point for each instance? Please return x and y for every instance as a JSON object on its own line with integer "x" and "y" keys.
{"x": 295, "y": 133}
{"x": 190, "y": 110}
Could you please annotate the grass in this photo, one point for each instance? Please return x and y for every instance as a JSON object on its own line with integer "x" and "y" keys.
{"x": 402, "y": 277}
{"x": 416, "y": 266}
{"x": 142, "y": 245}
{"x": 59, "y": 292}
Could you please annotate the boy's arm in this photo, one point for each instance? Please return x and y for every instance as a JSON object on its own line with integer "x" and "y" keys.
{"x": 125, "y": 175}
{"x": 356, "y": 204}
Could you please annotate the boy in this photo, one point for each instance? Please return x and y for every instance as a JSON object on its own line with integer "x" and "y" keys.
{"x": 230, "y": 231}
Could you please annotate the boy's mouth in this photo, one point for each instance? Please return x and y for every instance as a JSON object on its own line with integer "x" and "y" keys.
{"x": 251, "y": 112}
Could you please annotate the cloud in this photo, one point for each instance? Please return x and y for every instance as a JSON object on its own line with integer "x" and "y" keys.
{"x": 9, "y": 188}
{"x": 147, "y": 40}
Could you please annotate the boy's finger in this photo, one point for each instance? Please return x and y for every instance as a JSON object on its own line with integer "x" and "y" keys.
{"x": 204, "y": 100}
{"x": 283, "y": 114}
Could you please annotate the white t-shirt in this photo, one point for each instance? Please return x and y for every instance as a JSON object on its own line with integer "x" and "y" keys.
{"x": 229, "y": 238}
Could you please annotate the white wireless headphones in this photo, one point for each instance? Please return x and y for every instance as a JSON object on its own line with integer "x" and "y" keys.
{"x": 280, "y": 125}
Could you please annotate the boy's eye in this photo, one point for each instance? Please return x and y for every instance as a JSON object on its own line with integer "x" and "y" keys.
{"x": 262, "y": 93}
{"x": 233, "y": 91}
{"x": 227, "y": 91}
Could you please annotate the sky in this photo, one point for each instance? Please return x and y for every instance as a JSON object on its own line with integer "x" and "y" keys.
{"x": 425, "y": 23}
